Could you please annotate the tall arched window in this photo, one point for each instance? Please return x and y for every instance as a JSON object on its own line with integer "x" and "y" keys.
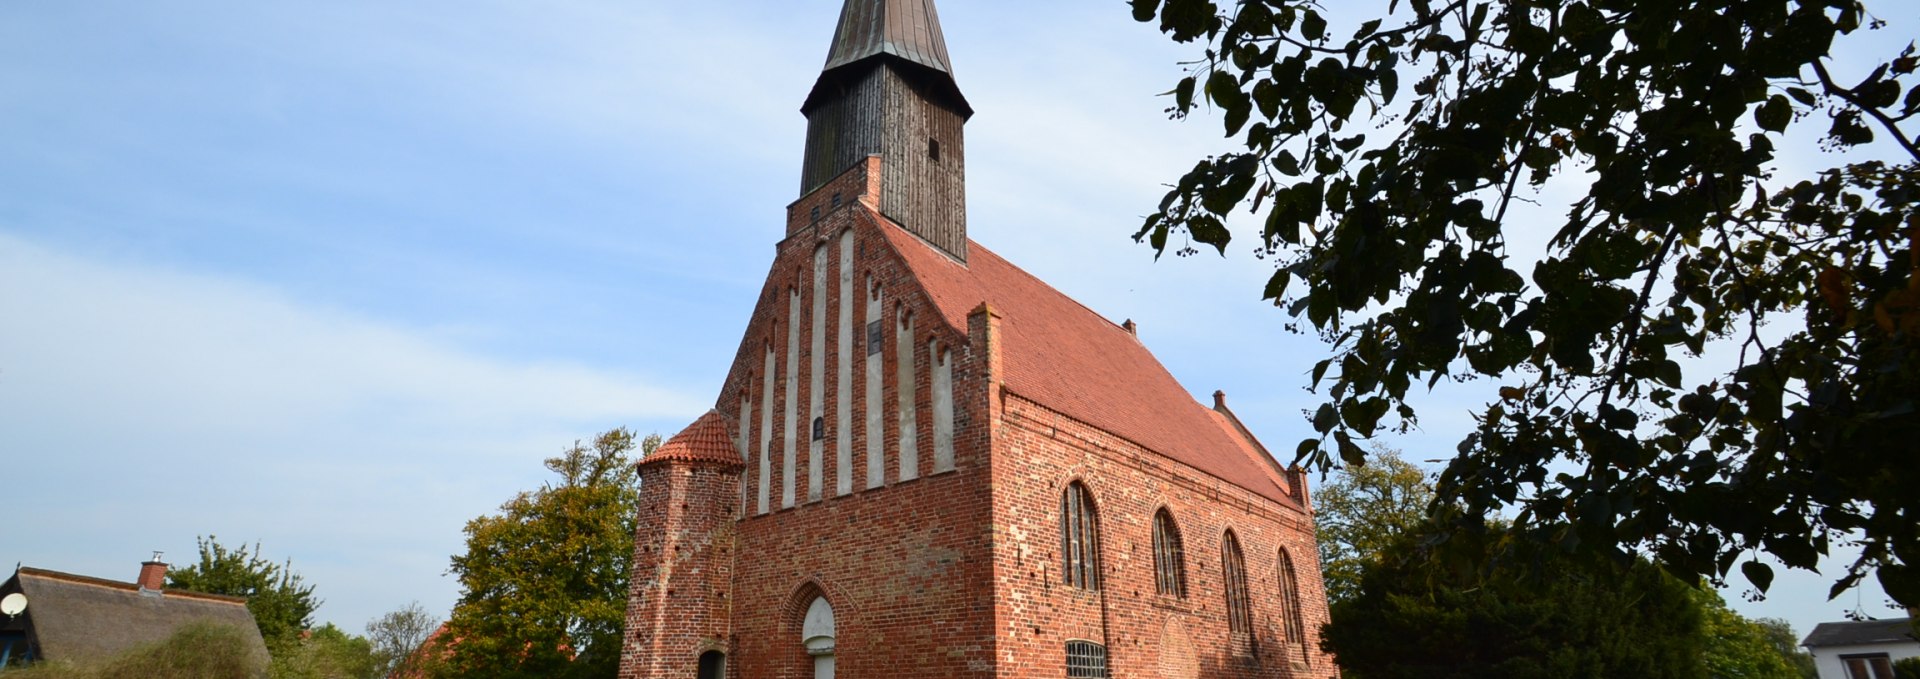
{"x": 1290, "y": 591}
{"x": 816, "y": 634}
{"x": 1239, "y": 613}
{"x": 1079, "y": 538}
{"x": 1169, "y": 560}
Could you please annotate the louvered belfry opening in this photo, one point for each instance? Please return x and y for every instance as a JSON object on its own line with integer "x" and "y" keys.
{"x": 888, "y": 90}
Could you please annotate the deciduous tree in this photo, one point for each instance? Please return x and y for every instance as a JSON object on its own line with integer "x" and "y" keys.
{"x": 397, "y": 636}
{"x": 1383, "y": 158}
{"x": 282, "y": 604}
{"x": 1362, "y": 513}
{"x": 545, "y": 581}
{"x": 1519, "y": 611}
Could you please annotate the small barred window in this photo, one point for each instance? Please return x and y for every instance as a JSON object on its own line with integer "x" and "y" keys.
{"x": 1086, "y": 659}
{"x": 1239, "y": 613}
{"x": 1079, "y": 538}
{"x": 1169, "y": 563}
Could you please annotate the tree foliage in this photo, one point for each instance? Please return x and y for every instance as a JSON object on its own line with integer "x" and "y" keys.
{"x": 282, "y": 604}
{"x": 1384, "y": 160}
{"x": 545, "y": 581}
{"x": 1739, "y": 648}
{"x": 1787, "y": 643}
{"x": 325, "y": 652}
{"x": 1505, "y": 615}
{"x": 1907, "y": 668}
{"x": 397, "y": 636}
{"x": 1362, "y": 513}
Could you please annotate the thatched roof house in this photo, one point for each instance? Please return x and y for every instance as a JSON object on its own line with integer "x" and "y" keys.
{"x": 81, "y": 619}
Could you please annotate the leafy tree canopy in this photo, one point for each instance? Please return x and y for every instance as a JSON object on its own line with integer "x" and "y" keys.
{"x": 1362, "y": 513}
{"x": 281, "y": 603}
{"x": 1531, "y": 611}
{"x": 1739, "y": 648}
{"x": 545, "y": 581}
{"x": 326, "y": 652}
{"x": 1382, "y": 160}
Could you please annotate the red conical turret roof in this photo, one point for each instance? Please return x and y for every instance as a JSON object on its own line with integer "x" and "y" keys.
{"x": 705, "y": 441}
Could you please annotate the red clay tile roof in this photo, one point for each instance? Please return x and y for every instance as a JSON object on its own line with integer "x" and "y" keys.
{"x": 1062, "y": 355}
{"x": 705, "y": 440}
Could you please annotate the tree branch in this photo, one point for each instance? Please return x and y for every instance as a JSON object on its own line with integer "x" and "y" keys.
{"x": 1893, "y": 128}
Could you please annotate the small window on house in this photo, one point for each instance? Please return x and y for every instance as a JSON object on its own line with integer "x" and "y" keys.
{"x": 1239, "y": 613}
{"x": 873, "y": 338}
{"x": 836, "y": 201}
{"x": 1079, "y": 538}
{"x": 816, "y": 213}
{"x": 1868, "y": 666}
{"x": 1086, "y": 659}
{"x": 1169, "y": 563}
{"x": 933, "y": 149}
{"x": 819, "y": 428}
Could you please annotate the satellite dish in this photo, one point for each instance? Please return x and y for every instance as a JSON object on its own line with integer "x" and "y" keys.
{"x": 14, "y": 604}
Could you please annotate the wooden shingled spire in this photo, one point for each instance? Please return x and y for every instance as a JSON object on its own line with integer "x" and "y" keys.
{"x": 888, "y": 90}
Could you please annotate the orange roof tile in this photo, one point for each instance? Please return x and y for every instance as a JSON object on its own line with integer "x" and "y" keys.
{"x": 1061, "y": 354}
{"x": 705, "y": 440}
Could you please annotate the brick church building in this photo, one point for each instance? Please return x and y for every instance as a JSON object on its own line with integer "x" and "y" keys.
{"x": 925, "y": 462}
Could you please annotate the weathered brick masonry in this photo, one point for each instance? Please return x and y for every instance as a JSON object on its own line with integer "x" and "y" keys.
{"x": 878, "y": 489}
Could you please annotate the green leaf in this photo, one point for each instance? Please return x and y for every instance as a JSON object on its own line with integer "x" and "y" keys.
{"x": 1761, "y": 575}
{"x": 1277, "y": 285}
{"x": 1313, "y": 27}
{"x": 1143, "y": 10}
{"x": 1325, "y": 418}
{"x": 1774, "y": 115}
{"x": 1367, "y": 29}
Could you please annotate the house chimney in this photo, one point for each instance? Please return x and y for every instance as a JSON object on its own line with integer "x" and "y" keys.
{"x": 153, "y": 575}
{"x": 1131, "y": 327}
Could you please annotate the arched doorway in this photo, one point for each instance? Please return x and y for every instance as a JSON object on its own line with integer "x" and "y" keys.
{"x": 816, "y": 634}
{"x": 713, "y": 665}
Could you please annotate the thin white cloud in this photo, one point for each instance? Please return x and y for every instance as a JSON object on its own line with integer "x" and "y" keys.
{"x": 140, "y": 407}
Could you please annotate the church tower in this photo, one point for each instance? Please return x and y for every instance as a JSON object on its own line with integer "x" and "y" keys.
{"x": 888, "y": 90}
{"x": 909, "y": 467}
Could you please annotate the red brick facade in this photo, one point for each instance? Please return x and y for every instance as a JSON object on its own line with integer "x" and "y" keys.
{"x": 953, "y": 573}
{"x": 895, "y": 437}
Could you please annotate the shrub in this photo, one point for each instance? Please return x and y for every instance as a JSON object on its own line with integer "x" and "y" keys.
{"x": 197, "y": 651}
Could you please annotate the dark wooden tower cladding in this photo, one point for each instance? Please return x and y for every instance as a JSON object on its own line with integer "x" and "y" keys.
{"x": 888, "y": 90}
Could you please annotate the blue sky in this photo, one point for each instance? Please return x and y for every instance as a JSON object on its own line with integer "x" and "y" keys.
{"x": 335, "y": 277}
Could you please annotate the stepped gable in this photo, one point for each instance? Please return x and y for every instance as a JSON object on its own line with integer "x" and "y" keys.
{"x": 1065, "y": 356}
{"x": 706, "y": 440}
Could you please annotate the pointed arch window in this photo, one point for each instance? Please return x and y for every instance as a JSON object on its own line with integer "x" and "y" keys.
{"x": 1169, "y": 559}
{"x": 1079, "y": 538}
{"x": 1239, "y": 612}
{"x": 1290, "y": 593}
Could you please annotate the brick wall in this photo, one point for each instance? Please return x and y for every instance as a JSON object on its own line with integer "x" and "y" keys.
{"x": 1038, "y": 453}
{"x": 948, "y": 574}
{"x": 680, "y": 604}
